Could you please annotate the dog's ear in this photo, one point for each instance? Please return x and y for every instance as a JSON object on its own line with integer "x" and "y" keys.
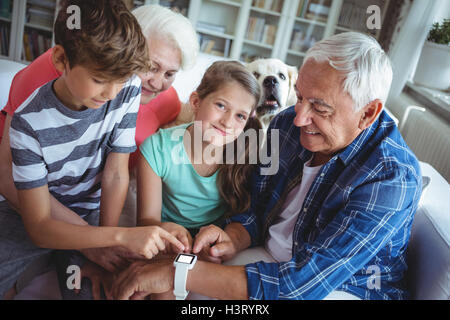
{"x": 292, "y": 73}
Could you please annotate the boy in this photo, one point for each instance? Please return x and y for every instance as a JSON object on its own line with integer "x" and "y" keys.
{"x": 70, "y": 142}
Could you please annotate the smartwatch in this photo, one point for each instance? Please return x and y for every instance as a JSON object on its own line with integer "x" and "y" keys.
{"x": 183, "y": 263}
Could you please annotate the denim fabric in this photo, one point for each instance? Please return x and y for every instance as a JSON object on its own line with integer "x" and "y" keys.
{"x": 17, "y": 252}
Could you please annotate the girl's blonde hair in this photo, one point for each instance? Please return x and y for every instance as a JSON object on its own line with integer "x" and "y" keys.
{"x": 233, "y": 181}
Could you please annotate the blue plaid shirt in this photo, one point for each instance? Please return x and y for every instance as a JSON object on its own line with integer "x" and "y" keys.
{"x": 353, "y": 228}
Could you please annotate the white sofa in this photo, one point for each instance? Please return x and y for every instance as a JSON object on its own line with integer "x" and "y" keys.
{"x": 429, "y": 247}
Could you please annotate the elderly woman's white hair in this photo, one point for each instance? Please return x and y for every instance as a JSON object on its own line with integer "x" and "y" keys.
{"x": 364, "y": 65}
{"x": 156, "y": 20}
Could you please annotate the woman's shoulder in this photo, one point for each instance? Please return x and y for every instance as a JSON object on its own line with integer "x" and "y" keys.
{"x": 27, "y": 80}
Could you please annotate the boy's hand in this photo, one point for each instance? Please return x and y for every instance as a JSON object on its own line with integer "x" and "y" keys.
{"x": 112, "y": 259}
{"x": 214, "y": 244}
{"x": 181, "y": 233}
{"x": 99, "y": 278}
{"x": 149, "y": 241}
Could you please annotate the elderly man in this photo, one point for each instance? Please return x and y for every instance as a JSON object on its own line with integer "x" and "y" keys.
{"x": 335, "y": 220}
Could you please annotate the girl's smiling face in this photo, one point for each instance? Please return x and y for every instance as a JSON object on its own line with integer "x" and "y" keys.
{"x": 223, "y": 113}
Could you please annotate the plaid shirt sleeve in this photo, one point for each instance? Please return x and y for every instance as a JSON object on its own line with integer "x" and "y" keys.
{"x": 376, "y": 210}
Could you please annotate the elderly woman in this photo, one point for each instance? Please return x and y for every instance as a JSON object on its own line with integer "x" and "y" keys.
{"x": 173, "y": 45}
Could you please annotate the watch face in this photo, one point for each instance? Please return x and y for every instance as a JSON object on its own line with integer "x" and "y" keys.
{"x": 185, "y": 258}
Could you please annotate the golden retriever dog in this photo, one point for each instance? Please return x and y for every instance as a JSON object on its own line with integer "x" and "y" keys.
{"x": 277, "y": 81}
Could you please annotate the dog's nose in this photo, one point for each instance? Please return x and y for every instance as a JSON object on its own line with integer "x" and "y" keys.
{"x": 270, "y": 82}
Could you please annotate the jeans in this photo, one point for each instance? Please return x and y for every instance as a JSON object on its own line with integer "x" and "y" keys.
{"x": 17, "y": 252}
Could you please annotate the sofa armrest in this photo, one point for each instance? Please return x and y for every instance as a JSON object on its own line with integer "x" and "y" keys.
{"x": 429, "y": 245}
{"x": 8, "y": 70}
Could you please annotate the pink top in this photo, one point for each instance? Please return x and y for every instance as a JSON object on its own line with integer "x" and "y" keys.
{"x": 159, "y": 111}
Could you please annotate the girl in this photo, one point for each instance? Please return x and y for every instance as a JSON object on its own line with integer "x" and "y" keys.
{"x": 182, "y": 185}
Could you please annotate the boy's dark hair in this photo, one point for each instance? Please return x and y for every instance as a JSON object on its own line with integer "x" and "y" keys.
{"x": 109, "y": 40}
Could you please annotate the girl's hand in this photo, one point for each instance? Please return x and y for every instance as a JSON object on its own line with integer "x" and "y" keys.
{"x": 181, "y": 233}
{"x": 149, "y": 241}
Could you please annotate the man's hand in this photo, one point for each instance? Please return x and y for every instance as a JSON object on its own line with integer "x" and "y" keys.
{"x": 143, "y": 278}
{"x": 214, "y": 244}
{"x": 181, "y": 233}
{"x": 112, "y": 259}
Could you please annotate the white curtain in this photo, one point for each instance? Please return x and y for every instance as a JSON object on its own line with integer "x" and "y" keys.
{"x": 406, "y": 50}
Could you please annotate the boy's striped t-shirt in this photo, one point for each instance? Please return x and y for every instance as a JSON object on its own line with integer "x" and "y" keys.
{"x": 66, "y": 149}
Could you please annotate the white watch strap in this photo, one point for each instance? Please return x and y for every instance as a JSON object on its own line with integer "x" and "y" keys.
{"x": 181, "y": 271}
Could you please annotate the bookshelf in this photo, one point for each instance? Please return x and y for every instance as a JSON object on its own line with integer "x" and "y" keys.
{"x": 216, "y": 34}
{"x": 236, "y": 29}
{"x": 353, "y": 15}
{"x": 6, "y": 29}
{"x": 313, "y": 20}
{"x": 31, "y": 28}
{"x": 285, "y": 29}
{"x": 309, "y": 22}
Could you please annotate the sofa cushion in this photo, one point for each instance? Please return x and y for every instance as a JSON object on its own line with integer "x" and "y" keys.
{"x": 7, "y": 71}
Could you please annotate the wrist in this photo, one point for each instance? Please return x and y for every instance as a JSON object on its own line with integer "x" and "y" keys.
{"x": 238, "y": 235}
{"x": 184, "y": 263}
{"x": 120, "y": 236}
{"x": 148, "y": 222}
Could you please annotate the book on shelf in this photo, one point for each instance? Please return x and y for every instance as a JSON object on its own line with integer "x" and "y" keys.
{"x": 26, "y": 49}
{"x": 180, "y": 6}
{"x": 269, "y": 33}
{"x": 297, "y": 40}
{"x": 226, "y": 48}
{"x": 255, "y": 28}
{"x": 258, "y": 3}
{"x": 315, "y": 17}
{"x": 48, "y": 4}
{"x": 5, "y": 9}
{"x": 4, "y": 39}
{"x": 300, "y": 42}
{"x": 207, "y": 45}
{"x": 277, "y": 5}
{"x": 269, "y": 5}
{"x": 40, "y": 16}
{"x": 211, "y": 46}
{"x": 216, "y": 53}
{"x": 318, "y": 10}
{"x": 211, "y": 27}
{"x": 352, "y": 16}
{"x": 34, "y": 44}
{"x": 302, "y": 7}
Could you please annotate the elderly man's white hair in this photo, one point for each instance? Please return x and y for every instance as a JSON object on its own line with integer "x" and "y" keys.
{"x": 159, "y": 21}
{"x": 364, "y": 65}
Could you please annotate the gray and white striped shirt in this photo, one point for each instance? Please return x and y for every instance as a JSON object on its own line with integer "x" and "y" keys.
{"x": 52, "y": 144}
